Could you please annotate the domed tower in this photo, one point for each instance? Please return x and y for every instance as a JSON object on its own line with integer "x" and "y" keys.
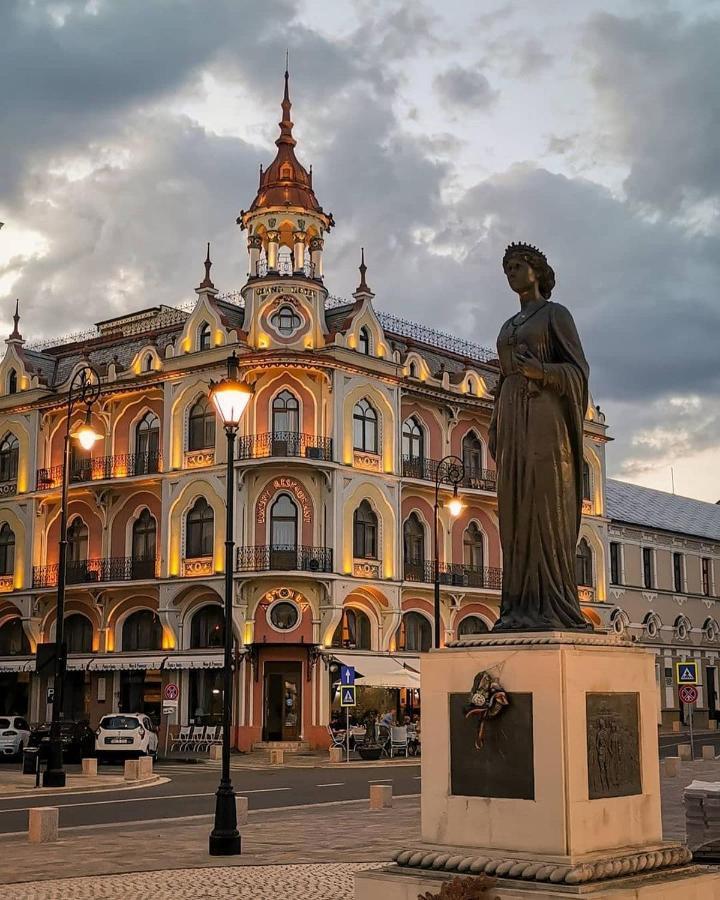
{"x": 284, "y": 294}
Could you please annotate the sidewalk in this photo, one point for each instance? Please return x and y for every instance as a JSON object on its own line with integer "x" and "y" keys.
{"x": 304, "y": 759}
{"x": 14, "y": 784}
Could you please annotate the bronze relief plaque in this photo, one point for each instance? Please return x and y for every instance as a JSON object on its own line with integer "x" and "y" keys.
{"x": 613, "y": 745}
{"x": 504, "y": 765}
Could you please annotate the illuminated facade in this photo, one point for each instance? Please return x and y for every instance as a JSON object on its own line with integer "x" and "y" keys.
{"x": 335, "y": 479}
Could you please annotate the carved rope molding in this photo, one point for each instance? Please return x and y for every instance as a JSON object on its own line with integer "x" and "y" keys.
{"x": 504, "y": 867}
{"x": 596, "y": 640}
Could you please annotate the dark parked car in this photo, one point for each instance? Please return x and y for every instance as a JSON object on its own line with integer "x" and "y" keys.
{"x": 77, "y": 737}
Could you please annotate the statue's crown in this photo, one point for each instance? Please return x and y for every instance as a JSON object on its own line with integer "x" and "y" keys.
{"x": 524, "y": 248}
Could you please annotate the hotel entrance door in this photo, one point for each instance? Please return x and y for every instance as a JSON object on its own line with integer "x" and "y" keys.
{"x": 282, "y": 701}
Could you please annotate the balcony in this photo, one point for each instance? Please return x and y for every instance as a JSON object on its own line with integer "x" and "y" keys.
{"x": 94, "y": 571}
{"x": 284, "y": 266}
{"x": 121, "y": 466}
{"x": 455, "y": 574}
{"x": 426, "y": 470}
{"x": 283, "y": 558}
{"x": 285, "y": 444}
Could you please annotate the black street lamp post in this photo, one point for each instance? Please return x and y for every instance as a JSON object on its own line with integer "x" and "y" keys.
{"x": 450, "y": 470}
{"x": 85, "y": 387}
{"x": 230, "y": 397}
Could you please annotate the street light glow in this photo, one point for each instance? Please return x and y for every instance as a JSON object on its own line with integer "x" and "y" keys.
{"x": 86, "y": 435}
{"x": 456, "y": 506}
{"x": 230, "y": 396}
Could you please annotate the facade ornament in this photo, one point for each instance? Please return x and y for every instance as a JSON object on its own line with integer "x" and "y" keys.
{"x": 487, "y": 699}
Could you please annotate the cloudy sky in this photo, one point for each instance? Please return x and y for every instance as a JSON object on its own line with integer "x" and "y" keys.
{"x": 132, "y": 132}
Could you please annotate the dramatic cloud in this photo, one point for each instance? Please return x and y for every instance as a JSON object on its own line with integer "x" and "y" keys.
{"x": 465, "y": 88}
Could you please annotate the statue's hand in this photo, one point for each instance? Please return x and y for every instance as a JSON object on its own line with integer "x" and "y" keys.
{"x": 529, "y": 365}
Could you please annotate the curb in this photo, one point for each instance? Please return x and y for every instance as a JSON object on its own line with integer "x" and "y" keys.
{"x": 94, "y": 789}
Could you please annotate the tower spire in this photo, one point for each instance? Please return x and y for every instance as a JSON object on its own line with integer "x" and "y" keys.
{"x": 16, "y": 336}
{"x": 363, "y": 287}
{"x": 207, "y": 282}
{"x": 286, "y": 124}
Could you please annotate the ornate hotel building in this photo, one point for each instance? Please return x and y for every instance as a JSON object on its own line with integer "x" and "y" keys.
{"x": 335, "y": 471}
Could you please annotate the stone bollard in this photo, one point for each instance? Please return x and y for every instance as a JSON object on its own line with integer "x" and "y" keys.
{"x": 277, "y": 757}
{"x": 89, "y": 767}
{"x": 43, "y": 824}
{"x": 380, "y": 796}
{"x": 138, "y": 769}
{"x": 131, "y": 770}
{"x": 337, "y": 754}
{"x": 708, "y": 751}
{"x": 676, "y": 727}
{"x": 684, "y": 752}
{"x": 241, "y": 805}
{"x": 215, "y": 752}
{"x": 671, "y": 766}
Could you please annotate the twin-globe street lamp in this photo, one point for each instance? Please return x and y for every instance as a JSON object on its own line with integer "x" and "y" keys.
{"x": 450, "y": 470}
{"x": 230, "y": 397}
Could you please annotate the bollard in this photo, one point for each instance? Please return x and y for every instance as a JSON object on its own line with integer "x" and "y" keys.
{"x": 708, "y": 751}
{"x": 131, "y": 770}
{"x": 215, "y": 752}
{"x": 336, "y": 754}
{"x": 89, "y": 766}
{"x": 676, "y": 726}
{"x": 241, "y": 806}
{"x": 380, "y": 796}
{"x": 684, "y": 752}
{"x": 43, "y": 824}
{"x": 671, "y": 766}
{"x": 712, "y": 725}
{"x": 277, "y": 757}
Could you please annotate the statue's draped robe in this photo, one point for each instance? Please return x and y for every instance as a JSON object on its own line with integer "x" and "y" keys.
{"x": 539, "y": 456}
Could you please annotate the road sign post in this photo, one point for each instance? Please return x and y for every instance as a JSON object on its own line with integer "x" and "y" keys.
{"x": 347, "y": 699}
{"x": 171, "y": 694}
{"x": 688, "y": 695}
{"x": 687, "y": 672}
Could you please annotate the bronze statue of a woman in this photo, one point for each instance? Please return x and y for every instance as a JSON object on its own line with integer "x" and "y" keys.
{"x": 536, "y": 438}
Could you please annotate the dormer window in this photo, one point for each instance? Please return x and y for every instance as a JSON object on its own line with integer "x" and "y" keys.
{"x": 364, "y": 341}
{"x": 148, "y": 364}
{"x": 286, "y": 321}
{"x": 413, "y": 370}
{"x": 204, "y": 337}
{"x": 12, "y": 382}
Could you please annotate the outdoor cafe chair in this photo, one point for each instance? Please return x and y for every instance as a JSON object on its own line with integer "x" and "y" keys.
{"x": 181, "y": 738}
{"x": 196, "y": 738}
{"x": 337, "y": 737}
{"x": 357, "y": 735}
{"x": 398, "y": 740}
{"x": 210, "y": 737}
{"x": 384, "y": 739}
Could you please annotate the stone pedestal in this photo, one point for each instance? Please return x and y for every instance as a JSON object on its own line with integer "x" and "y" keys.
{"x": 564, "y": 789}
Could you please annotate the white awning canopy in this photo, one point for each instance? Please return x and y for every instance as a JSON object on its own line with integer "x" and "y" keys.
{"x": 382, "y": 669}
{"x": 195, "y": 661}
{"x": 115, "y": 661}
{"x": 17, "y": 664}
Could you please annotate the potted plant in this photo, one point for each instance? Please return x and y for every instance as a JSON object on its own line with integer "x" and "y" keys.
{"x": 370, "y": 748}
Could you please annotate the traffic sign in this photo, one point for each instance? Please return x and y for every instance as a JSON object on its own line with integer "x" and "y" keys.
{"x": 688, "y": 693}
{"x": 171, "y": 692}
{"x": 347, "y": 695}
{"x": 347, "y": 675}
{"x": 686, "y": 672}
{"x": 51, "y": 695}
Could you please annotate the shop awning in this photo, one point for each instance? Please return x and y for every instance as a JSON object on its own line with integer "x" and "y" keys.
{"x": 195, "y": 661}
{"x": 75, "y": 663}
{"x": 382, "y": 669}
{"x": 173, "y": 660}
{"x": 17, "y": 664}
{"x": 115, "y": 661}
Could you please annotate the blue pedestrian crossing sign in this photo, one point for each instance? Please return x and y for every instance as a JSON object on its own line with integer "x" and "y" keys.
{"x": 347, "y": 695}
{"x": 687, "y": 672}
{"x": 347, "y": 675}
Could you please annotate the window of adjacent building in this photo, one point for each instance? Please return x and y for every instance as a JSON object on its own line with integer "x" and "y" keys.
{"x": 283, "y": 522}
{"x": 200, "y": 530}
{"x": 365, "y": 427}
{"x": 147, "y": 444}
{"x": 678, "y": 581}
{"x": 472, "y": 625}
{"x": 414, "y": 540}
{"x": 705, "y": 570}
{"x": 415, "y": 633}
{"x": 142, "y": 631}
{"x": 201, "y": 425}
{"x": 78, "y": 633}
{"x": 77, "y": 541}
{"x": 364, "y": 341}
{"x": 583, "y": 564}
{"x": 615, "y": 563}
{"x": 365, "y": 532}
{"x": 586, "y": 481}
{"x": 9, "y": 458}
{"x": 144, "y": 538}
{"x": 206, "y": 687}
{"x": 473, "y": 547}
{"x": 7, "y": 550}
{"x": 353, "y": 631}
{"x": 285, "y": 413}
{"x": 647, "y": 562}
{"x": 472, "y": 455}
{"x": 284, "y": 615}
{"x": 13, "y": 640}
{"x": 204, "y": 337}
{"x": 207, "y": 628}
{"x": 286, "y": 321}
{"x": 413, "y": 439}
{"x": 12, "y": 382}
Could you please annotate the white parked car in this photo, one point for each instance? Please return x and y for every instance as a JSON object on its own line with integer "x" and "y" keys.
{"x": 125, "y": 734}
{"x": 14, "y": 735}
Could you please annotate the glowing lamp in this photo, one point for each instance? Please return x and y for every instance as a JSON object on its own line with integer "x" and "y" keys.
{"x": 86, "y": 435}
{"x": 456, "y": 506}
{"x": 230, "y": 396}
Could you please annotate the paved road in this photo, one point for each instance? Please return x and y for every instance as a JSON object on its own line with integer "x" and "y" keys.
{"x": 669, "y": 742}
{"x": 192, "y": 789}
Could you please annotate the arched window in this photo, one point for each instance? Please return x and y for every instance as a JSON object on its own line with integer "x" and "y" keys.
{"x": 12, "y": 382}
{"x": 142, "y": 631}
{"x": 147, "y": 444}
{"x": 204, "y": 336}
{"x": 472, "y": 454}
{"x": 207, "y": 628}
{"x": 414, "y": 547}
{"x": 201, "y": 425}
{"x": 353, "y": 631}
{"x": 200, "y": 530}
{"x": 415, "y": 633}
{"x": 413, "y": 440}
{"x": 473, "y": 547}
{"x": 286, "y": 321}
{"x": 285, "y": 414}
{"x": 364, "y": 341}
{"x": 586, "y": 481}
{"x": 583, "y": 564}
{"x": 7, "y": 550}
{"x": 148, "y": 364}
{"x": 9, "y": 450}
{"x": 472, "y": 625}
{"x": 77, "y": 539}
{"x": 365, "y": 532}
{"x": 413, "y": 370}
{"x": 78, "y": 633}
{"x": 13, "y": 640}
{"x": 283, "y": 522}
{"x": 365, "y": 427}
{"x": 144, "y": 537}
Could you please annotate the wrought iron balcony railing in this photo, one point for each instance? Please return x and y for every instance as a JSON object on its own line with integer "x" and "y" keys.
{"x": 121, "y": 466}
{"x": 91, "y": 571}
{"x": 285, "y": 443}
{"x": 285, "y": 267}
{"x": 455, "y": 574}
{"x": 283, "y": 558}
{"x": 426, "y": 470}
